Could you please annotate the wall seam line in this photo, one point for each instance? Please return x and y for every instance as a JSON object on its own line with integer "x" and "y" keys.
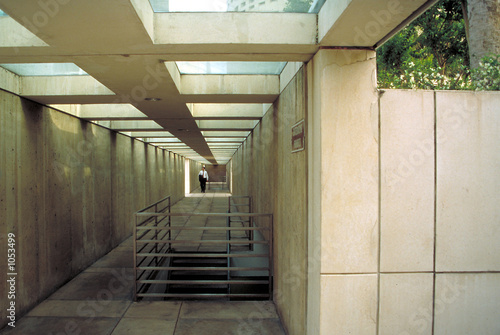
{"x": 379, "y": 204}
{"x": 435, "y": 213}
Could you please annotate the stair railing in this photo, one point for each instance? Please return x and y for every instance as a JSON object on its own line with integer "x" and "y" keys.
{"x": 242, "y": 204}
{"x": 150, "y": 228}
{"x": 153, "y": 241}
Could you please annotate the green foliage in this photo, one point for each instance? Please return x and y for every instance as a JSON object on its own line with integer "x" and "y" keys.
{"x": 298, "y": 6}
{"x": 431, "y": 53}
{"x": 487, "y": 75}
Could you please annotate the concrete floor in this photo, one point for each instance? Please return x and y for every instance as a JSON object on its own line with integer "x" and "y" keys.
{"x": 99, "y": 300}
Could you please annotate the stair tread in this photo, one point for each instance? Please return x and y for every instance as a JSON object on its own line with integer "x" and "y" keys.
{"x": 192, "y": 277}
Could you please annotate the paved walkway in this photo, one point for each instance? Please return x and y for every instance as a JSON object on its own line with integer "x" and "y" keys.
{"x": 99, "y": 300}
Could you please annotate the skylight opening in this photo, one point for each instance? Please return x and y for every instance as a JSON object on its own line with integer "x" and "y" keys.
{"x": 263, "y": 68}
{"x": 45, "y": 69}
{"x": 269, "y": 6}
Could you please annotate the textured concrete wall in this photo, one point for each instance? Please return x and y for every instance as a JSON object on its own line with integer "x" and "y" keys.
{"x": 403, "y": 191}
{"x": 265, "y": 168}
{"x": 229, "y": 176}
{"x": 68, "y": 189}
{"x": 347, "y": 174}
{"x": 409, "y": 205}
{"x": 194, "y": 170}
{"x": 440, "y": 217}
{"x": 216, "y": 172}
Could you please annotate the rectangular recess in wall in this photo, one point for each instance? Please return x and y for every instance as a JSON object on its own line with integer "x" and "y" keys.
{"x": 298, "y": 136}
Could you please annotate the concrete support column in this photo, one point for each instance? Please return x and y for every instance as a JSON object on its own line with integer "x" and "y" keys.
{"x": 343, "y": 142}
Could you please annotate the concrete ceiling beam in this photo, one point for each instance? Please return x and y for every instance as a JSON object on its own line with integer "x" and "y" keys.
{"x": 225, "y": 142}
{"x": 227, "y": 129}
{"x": 227, "y": 118}
{"x": 230, "y": 98}
{"x": 74, "y": 24}
{"x": 228, "y": 110}
{"x": 230, "y": 84}
{"x": 146, "y": 15}
{"x": 37, "y": 54}
{"x": 10, "y": 81}
{"x": 160, "y": 140}
{"x": 146, "y": 125}
{"x": 223, "y": 146}
{"x": 225, "y": 134}
{"x": 227, "y": 124}
{"x": 15, "y": 35}
{"x": 140, "y": 134}
{"x": 228, "y": 32}
{"x": 112, "y": 112}
{"x": 45, "y": 87}
{"x": 230, "y": 88}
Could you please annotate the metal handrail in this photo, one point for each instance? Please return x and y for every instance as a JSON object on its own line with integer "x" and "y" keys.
{"x": 205, "y": 214}
{"x": 223, "y": 185}
{"x": 158, "y": 225}
{"x": 153, "y": 249}
{"x": 232, "y": 203}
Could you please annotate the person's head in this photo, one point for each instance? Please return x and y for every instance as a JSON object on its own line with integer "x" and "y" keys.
{"x": 203, "y": 167}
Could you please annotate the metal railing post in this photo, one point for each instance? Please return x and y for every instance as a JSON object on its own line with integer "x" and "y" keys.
{"x": 228, "y": 251}
{"x": 229, "y": 222}
{"x": 135, "y": 259}
{"x": 169, "y": 223}
{"x": 250, "y": 223}
{"x": 156, "y": 234}
{"x": 271, "y": 256}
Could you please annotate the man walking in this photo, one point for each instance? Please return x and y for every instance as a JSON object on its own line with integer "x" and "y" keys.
{"x": 203, "y": 177}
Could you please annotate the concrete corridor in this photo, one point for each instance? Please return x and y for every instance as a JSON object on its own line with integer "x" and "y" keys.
{"x": 99, "y": 300}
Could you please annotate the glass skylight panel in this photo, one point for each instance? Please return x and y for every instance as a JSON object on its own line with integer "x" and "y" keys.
{"x": 45, "y": 69}
{"x": 226, "y": 140}
{"x": 272, "y": 6}
{"x": 269, "y": 68}
{"x": 189, "y": 5}
{"x": 162, "y": 140}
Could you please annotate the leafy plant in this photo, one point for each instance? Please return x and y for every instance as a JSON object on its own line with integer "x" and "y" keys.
{"x": 431, "y": 53}
{"x": 487, "y": 75}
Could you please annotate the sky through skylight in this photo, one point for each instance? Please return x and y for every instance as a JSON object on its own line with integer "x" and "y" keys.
{"x": 160, "y": 6}
{"x": 189, "y": 5}
{"x": 198, "y": 5}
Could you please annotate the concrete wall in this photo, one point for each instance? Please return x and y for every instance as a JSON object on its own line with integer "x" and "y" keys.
{"x": 216, "y": 173}
{"x": 68, "y": 189}
{"x": 440, "y": 213}
{"x": 194, "y": 170}
{"x": 404, "y": 203}
{"x": 343, "y": 198}
{"x": 265, "y": 168}
{"x": 389, "y": 222}
{"x": 229, "y": 176}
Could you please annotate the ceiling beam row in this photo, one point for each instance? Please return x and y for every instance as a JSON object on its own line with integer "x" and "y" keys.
{"x": 133, "y": 84}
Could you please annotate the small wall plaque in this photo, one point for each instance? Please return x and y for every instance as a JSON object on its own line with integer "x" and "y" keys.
{"x": 298, "y": 136}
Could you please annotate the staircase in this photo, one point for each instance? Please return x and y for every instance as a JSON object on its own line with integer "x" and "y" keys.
{"x": 233, "y": 261}
{"x": 197, "y": 277}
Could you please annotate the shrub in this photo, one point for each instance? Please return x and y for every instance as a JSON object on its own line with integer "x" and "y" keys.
{"x": 486, "y": 76}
